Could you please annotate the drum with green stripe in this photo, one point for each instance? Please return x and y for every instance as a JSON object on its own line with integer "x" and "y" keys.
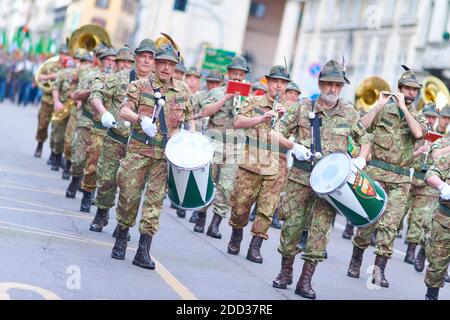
{"x": 189, "y": 156}
{"x": 348, "y": 189}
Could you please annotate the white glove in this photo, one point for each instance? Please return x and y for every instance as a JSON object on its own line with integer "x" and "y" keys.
{"x": 301, "y": 153}
{"x": 108, "y": 120}
{"x": 149, "y": 127}
{"x": 359, "y": 162}
{"x": 445, "y": 191}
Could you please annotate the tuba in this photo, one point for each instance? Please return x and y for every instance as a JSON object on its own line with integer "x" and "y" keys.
{"x": 45, "y": 68}
{"x": 368, "y": 92}
{"x": 434, "y": 91}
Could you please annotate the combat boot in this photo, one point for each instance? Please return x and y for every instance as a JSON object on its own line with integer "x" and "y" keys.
{"x": 432, "y": 294}
{"x": 284, "y": 278}
{"x": 304, "y": 288}
{"x": 86, "y": 201}
{"x": 275, "y": 221}
{"x": 303, "y": 240}
{"x": 51, "y": 159}
{"x": 200, "y": 224}
{"x": 410, "y": 252}
{"x": 194, "y": 217}
{"x": 38, "y": 152}
{"x": 57, "y": 162}
{"x": 419, "y": 262}
{"x": 355, "y": 263}
{"x": 100, "y": 220}
{"x": 213, "y": 230}
{"x": 120, "y": 246}
{"x": 66, "y": 170}
{"x": 234, "y": 246}
{"x": 142, "y": 257}
{"x": 254, "y": 252}
{"x": 348, "y": 232}
{"x": 72, "y": 188}
{"x": 373, "y": 239}
{"x": 116, "y": 230}
{"x": 378, "y": 277}
{"x": 181, "y": 213}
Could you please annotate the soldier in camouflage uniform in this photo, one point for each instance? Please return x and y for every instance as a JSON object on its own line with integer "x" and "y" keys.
{"x": 260, "y": 175}
{"x": 107, "y": 101}
{"x": 293, "y": 92}
{"x": 180, "y": 71}
{"x": 220, "y": 109}
{"x": 340, "y": 121}
{"x": 46, "y": 109}
{"x": 396, "y": 127}
{"x": 444, "y": 120}
{"x": 144, "y": 165}
{"x": 423, "y": 197}
{"x": 438, "y": 245}
{"x": 82, "y": 135}
{"x": 98, "y": 132}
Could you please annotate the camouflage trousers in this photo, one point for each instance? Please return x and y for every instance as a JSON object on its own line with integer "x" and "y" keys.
{"x": 135, "y": 171}
{"x": 438, "y": 251}
{"x": 80, "y": 144}
{"x": 297, "y": 216}
{"x": 57, "y": 136}
{"x": 44, "y": 116}
{"x": 427, "y": 218}
{"x": 89, "y": 181}
{"x": 70, "y": 132}
{"x": 248, "y": 188}
{"x": 107, "y": 167}
{"x": 223, "y": 176}
{"x": 388, "y": 223}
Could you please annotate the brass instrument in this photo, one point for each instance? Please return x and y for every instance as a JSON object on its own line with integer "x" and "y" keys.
{"x": 45, "y": 68}
{"x": 368, "y": 92}
{"x": 434, "y": 91}
{"x": 59, "y": 116}
{"x": 88, "y": 37}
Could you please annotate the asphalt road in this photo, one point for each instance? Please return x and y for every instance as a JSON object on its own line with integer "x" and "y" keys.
{"x": 48, "y": 252}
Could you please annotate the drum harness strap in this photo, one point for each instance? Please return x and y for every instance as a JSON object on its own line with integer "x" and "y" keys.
{"x": 444, "y": 209}
{"x": 316, "y": 123}
{"x": 86, "y": 113}
{"x": 390, "y": 167}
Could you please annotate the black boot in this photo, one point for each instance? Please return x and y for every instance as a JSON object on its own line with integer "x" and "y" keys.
{"x": 304, "y": 287}
{"x": 66, "y": 170}
{"x": 38, "y": 152}
{"x": 51, "y": 159}
{"x": 419, "y": 262}
{"x": 116, "y": 230}
{"x": 213, "y": 230}
{"x": 142, "y": 257}
{"x": 432, "y": 294}
{"x": 200, "y": 224}
{"x": 234, "y": 246}
{"x": 378, "y": 277}
{"x": 181, "y": 213}
{"x": 275, "y": 221}
{"x": 348, "y": 232}
{"x": 120, "y": 247}
{"x": 86, "y": 201}
{"x": 194, "y": 217}
{"x": 284, "y": 278}
{"x": 100, "y": 220}
{"x": 303, "y": 239}
{"x": 355, "y": 263}
{"x": 254, "y": 252}
{"x": 57, "y": 162}
{"x": 410, "y": 253}
{"x": 71, "y": 191}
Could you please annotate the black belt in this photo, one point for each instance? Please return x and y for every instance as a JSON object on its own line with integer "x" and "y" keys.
{"x": 304, "y": 165}
{"x": 87, "y": 114}
{"x": 390, "y": 167}
{"x": 117, "y": 137}
{"x": 146, "y": 139}
{"x": 445, "y": 210}
{"x": 98, "y": 125}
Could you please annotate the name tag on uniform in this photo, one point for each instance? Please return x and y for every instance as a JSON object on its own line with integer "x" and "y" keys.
{"x": 387, "y": 122}
{"x": 180, "y": 99}
{"x": 343, "y": 126}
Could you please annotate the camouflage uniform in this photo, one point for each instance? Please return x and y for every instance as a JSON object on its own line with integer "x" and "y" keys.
{"x": 197, "y": 101}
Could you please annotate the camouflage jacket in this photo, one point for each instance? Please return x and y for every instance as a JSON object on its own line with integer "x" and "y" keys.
{"x": 178, "y": 109}
{"x": 86, "y": 78}
{"x": 441, "y": 168}
{"x": 48, "y": 97}
{"x": 65, "y": 83}
{"x": 441, "y": 143}
{"x": 338, "y": 125}
{"x": 224, "y": 118}
{"x": 197, "y": 101}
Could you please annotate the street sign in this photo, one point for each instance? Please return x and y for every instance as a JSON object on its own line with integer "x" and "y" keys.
{"x": 314, "y": 69}
{"x": 217, "y": 59}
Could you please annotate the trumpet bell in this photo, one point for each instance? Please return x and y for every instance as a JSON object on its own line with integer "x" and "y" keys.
{"x": 368, "y": 92}
{"x": 46, "y": 68}
{"x": 434, "y": 91}
{"x": 88, "y": 37}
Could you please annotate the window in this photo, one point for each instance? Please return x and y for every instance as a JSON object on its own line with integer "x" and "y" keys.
{"x": 99, "y": 21}
{"x": 104, "y": 4}
{"x": 257, "y": 10}
{"x": 128, "y": 6}
{"x": 180, "y": 5}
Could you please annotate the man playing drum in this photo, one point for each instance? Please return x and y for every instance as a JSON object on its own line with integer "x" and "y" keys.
{"x": 396, "y": 128}
{"x": 144, "y": 164}
{"x": 340, "y": 121}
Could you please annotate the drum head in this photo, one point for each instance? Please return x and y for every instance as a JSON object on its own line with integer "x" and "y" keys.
{"x": 330, "y": 173}
{"x": 189, "y": 150}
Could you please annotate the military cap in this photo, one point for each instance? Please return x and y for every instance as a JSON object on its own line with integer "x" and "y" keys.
{"x": 332, "y": 71}
{"x": 430, "y": 110}
{"x": 99, "y": 49}
{"x": 180, "y": 67}
{"x": 239, "y": 63}
{"x": 167, "y": 52}
{"x": 125, "y": 54}
{"x": 146, "y": 45}
{"x": 110, "y": 52}
{"x": 409, "y": 79}
{"x": 445, "y": 111}
{"x": 278, "y": 72}
{"x": 63, "y": 49}
{"x": 215, "y": 75}
{"x": 87, "y": 56}
{"x": 259, "y": 86}
{"x": 292, "y": 86}
{"x": 79, "y": 53}
{"x": 193, "y": 71}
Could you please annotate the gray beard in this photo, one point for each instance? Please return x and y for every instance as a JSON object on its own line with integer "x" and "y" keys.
{"x": 329, "y": 99}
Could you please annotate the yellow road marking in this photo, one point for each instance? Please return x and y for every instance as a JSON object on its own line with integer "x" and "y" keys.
{"x": 5, "y": 286}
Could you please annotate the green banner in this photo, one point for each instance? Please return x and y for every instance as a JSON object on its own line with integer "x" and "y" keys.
{"x": 217, "y": 59}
